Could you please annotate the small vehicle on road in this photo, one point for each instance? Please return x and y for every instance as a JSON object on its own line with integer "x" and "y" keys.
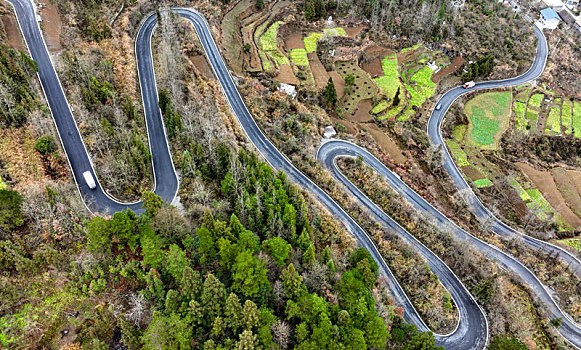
{"x": 89, "y": 180}
{"x": 438, "y": 106}
{"x": 468, "y": 85}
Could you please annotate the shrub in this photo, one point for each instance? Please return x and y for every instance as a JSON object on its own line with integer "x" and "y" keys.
{"x": 45, "y": 144}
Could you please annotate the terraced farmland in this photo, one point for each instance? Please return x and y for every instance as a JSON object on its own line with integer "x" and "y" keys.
{"x": 488, "y": 115}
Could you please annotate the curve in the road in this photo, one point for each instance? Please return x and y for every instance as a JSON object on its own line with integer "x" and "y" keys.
{"x": 435, "y": 135}
{"x": 467, "y": 335}
{"x": 331, "y": 150}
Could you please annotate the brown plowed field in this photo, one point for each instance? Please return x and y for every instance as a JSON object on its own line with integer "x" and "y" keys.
{"x": 294, "y": 41}
{"x": 51, "y": 26}
{"x": 354, "y": 31}
{"x": 202, "y": 65}
{"x": 286, "y": 75}
{"x": 362, "y": 113}
{"x": 319, "y": 73}
{"x": 339, "y": 83}
{"x": 568, "y": 189}
{"x": 373, "y": 67}
{"x": 545, "y": 183}
{"x": 457, "y": 62}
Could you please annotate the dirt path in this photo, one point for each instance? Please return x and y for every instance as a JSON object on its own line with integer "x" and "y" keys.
{"x": 339, "y": 83}
{"x": 362, "y": 113}
{"x": 544, "y": 181}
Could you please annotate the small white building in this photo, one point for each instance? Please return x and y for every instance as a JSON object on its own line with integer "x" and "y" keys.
{"x": 329, "y": 132}
{"x": 290, "y": 90}
{"x": 550, "y": 18}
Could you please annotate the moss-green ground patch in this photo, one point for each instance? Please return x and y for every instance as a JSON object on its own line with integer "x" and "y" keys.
{"x": 459, "y": 132}
{"x": 566, "y": 116}
{"x": 553, "y": 126}
{"x": 577, "y": 119}
{"x": 299, "y": 57}
{"x": 481, "y": 183}
{"x": 521, "y": 121}
{"x": 458, "y": 153}
{"x": 338, "y": 31}
{"x": 572, "y": 242}
{"x": 535, "y": 100}
{"x": 488, "y": 115}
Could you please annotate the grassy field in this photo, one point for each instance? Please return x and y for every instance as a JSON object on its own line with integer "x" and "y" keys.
{"x": 553, "y": 126}
{"x": 535, "y": 100}
{"x": 577, "y": 119}
{"x": 458, "y": 153}
{"x": 389, "y": 82}
{"x": 572, "y": 242}
{"x": 459, "y": 132}
{"x": 299, "y": 57}
{"x": 566, "y": 115}
{"x": 481, "y": 183}
{"x": 521, "y": 121}
{"x": 488, "y": 118}
{"x": 532, "y": 118}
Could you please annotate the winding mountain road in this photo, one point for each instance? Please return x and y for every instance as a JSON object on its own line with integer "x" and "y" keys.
{"x": 471, "y": 332}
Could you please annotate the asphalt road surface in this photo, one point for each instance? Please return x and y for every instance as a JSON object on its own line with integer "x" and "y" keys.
{"x": 471, "y": 332}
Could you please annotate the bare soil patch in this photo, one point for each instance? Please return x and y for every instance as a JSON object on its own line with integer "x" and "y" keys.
{"x": 377, "y": 51}
{"x": 362, "y": 113}
{"x": 21, "y": 160}
{"x": 576, "y": 178}
{"x": 202, "y": 65}
{"x": 294, "y": 41}
{"x": 373, "y": 67}
{"x": 471, "y": 172}
{"x": 457, "y": 62}
{"x": 567, "y": 188}
{"x": 12, "y": 32}
{"x": 286, "y": 75}
{"x": 543, "y": 180}
{"x": 51, "y": 26}
{"x": 354, "y": 31}
{"x": 319, "y": 73}
{"x": 386, "y": 144}
{"x": 351, "y": 128}
{"x": 339, "y": 83}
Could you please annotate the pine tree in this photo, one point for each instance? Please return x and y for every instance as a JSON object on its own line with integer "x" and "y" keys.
{"x": 309, "y": 256}
{"x": 213, "y": 297}
{"x": 233, "y": 313}
{"x": 250, "y": 315}
{"x": 330, "y": 93}
{"x": 191, "y": 283}
{"x": 292, "y": 281}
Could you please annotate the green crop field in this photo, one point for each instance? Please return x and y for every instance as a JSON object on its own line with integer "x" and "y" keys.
{"x": 519, "y": 112}
{"x": 299, "y": 57}
{"x": 524, "y": 195}
{"x": 481, "y": 183}
{"x": 577, "y": 119}
{"x": 268, "y": 39}
{"x": 535, "y": 100}
{"x": 458, "y": 153}
{"x": 566, "y": 116}
{"x": 311, "y": 42}
{"x": 489, "y": 117}
{"x": 423, "y": 89}
{"x": 380, "y": 107}
{"x": 407, "y": 49}
{"x": 532, "y": 118}
{"x": 389, "y": 82}
{"x": 572, "y": 242}
{"x": 553, "y": 126}
{"x": 266, "y": 65}
{"x": 523, "y": 95}
{"x": 392, "y": 113}
{"x": 278, "y": 58}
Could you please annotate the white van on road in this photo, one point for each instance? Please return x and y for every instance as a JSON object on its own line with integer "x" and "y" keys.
{"x": 89, "y": 180}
